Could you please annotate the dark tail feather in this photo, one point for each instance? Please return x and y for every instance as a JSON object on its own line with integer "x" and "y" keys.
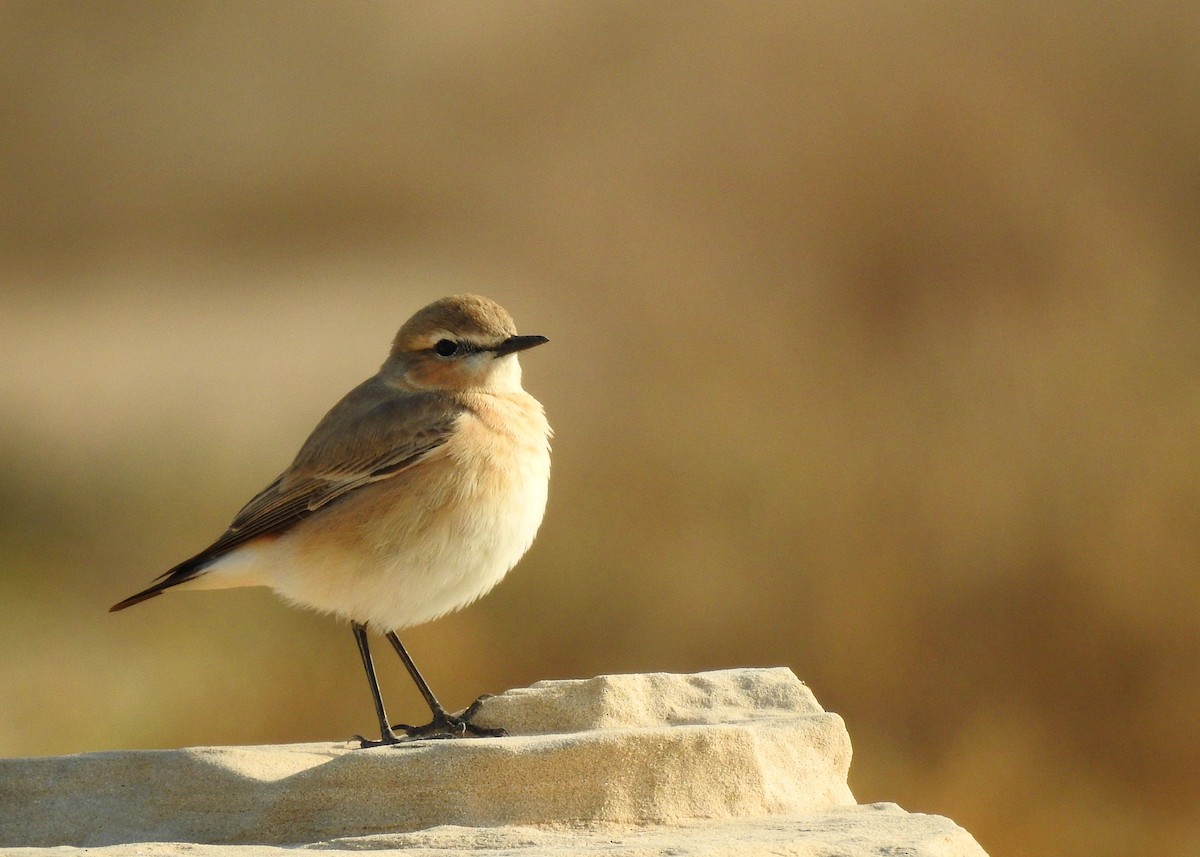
{"x": 181, "y": 573}
{"x": 145, "y": 595}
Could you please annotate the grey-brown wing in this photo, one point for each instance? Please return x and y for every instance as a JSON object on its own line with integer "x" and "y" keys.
{"x": 368, "y": 436}
{"x": 371, "y": 435}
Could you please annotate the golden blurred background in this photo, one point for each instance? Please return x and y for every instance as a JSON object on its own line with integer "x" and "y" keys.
{"x": 875, "y": 353}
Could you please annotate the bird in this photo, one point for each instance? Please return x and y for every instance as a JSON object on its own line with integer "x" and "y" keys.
{"x": 413, "y": 496}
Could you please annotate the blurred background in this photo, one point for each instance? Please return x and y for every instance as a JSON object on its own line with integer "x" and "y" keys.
{"x": 875, "y": 354}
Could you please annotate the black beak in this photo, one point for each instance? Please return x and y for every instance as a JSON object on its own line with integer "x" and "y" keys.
{"x": 518, "y": 343}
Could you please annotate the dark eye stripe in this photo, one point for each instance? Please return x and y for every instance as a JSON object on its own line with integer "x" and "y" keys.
{"x": 451, "y": 348}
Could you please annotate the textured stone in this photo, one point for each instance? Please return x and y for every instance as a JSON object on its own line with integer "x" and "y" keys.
{"x": 705, "y": 764}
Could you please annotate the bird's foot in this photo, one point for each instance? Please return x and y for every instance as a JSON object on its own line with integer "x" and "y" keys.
{"x": 446, "y": 725}
{"x": 387, "y": 739}
{"x": 365, "y": 743}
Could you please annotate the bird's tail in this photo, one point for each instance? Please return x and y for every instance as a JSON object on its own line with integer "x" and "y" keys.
{"x": 181, "y": 573}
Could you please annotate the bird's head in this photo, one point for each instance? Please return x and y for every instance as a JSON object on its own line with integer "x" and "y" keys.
{"x": 461, "y": 342}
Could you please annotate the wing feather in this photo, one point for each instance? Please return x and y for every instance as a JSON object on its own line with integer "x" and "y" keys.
{"x": 374, "y": 433}
{"x": 370, "y": 435}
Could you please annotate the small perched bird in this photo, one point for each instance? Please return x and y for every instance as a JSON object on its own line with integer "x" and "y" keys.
{"x": 414, "y": 495}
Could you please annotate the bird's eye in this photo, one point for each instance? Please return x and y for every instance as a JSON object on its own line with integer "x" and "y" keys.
{"x": 446, "y": 347}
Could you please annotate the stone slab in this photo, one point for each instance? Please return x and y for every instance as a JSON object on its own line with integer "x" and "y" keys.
{"x": 716, "y": 760}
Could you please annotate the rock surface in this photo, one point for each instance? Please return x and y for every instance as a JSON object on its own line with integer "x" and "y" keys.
{"x": 737, "y": 762}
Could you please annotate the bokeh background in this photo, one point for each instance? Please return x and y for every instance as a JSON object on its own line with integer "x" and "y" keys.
{"x": 875, "y": 353}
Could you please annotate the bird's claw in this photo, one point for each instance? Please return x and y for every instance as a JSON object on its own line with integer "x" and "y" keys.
{"x": 446, "y": 725}
{"x": 443, "y": 725}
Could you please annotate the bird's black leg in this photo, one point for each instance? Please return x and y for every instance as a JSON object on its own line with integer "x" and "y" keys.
{"x": 386, "y": 734}
{"x": 444, "y": 724}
